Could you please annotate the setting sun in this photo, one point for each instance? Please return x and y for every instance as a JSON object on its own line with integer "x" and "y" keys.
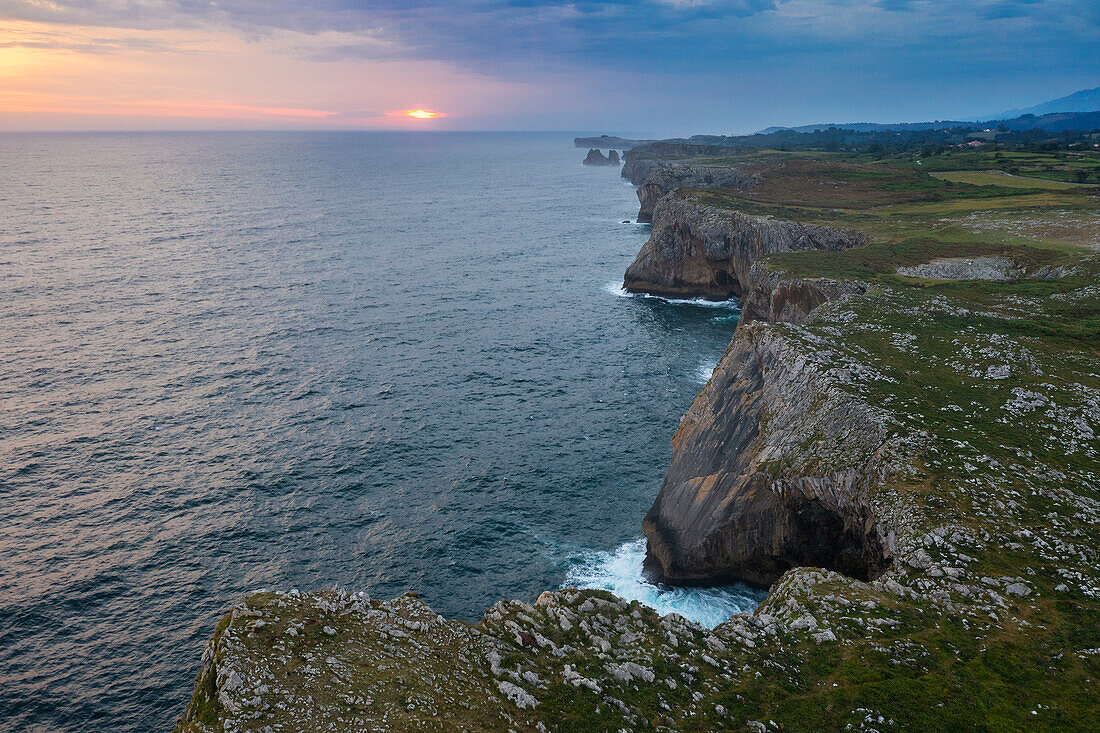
{"x": 423, "y": 114}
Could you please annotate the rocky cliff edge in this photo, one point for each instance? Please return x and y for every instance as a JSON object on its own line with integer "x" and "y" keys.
{"x": 697, "y": 250}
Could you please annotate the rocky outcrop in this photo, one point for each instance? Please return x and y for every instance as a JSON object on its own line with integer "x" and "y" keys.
{"x": 771, "y": 469}
{"x": 595, "y": 157}
{"x": 663, "y": 179}
{"x": 965, "y": 268}
{"x": 638, "y": 161}
{"x": 984, "y": 268}
{"x": 636, "y": 169}
{"x": 775, "y": 296}
{"x": 700, "y": 251}
{"x": 339, "y": 661}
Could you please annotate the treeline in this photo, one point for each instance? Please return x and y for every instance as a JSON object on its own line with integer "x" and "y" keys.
{"x": 896, "y": 142}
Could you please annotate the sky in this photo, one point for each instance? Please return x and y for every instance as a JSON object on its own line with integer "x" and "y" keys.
{"x": 645, "y": 67}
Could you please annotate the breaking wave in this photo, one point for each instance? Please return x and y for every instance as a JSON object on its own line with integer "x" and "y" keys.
{"x": 617, "y": 289}
{"x": 704, "y": 371}
{"x": 620, "y": 572}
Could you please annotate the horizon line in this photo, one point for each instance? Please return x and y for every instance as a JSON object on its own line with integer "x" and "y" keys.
{"x": 317, "y": 130}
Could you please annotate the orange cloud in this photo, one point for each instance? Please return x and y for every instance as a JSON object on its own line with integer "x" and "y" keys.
{"x": 76, "y": 77}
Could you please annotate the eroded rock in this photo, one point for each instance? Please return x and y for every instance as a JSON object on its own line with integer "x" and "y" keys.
{"x": 699, "y": 251}
{"x": 747, "y": 495}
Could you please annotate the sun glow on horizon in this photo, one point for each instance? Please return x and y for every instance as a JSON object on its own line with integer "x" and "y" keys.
{"x": 85, "y": 77}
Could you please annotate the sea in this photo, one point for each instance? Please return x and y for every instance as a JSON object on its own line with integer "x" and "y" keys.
{"x": 383, "y": 362}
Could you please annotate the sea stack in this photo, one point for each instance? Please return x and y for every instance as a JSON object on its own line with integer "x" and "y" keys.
{"x": 595, "y": 157}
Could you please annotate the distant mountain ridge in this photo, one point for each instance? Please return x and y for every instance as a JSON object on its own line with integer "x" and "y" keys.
{"x": 1053, "y": 122}
{"x": 1077, "y": 111}
{"x": 1086, "y": 100}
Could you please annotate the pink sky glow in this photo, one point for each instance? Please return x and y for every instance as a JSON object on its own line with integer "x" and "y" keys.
{"x": 56, "y": 77}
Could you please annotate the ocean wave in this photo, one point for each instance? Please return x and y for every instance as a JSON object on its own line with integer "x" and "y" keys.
{"x": 620, "y": 572}
{"x": 704, "y": 371}
{"x": 616, "y": 289}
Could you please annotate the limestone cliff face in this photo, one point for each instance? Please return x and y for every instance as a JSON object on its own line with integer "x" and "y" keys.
{"x": 773, "y": 464}
{"x": 776, "y": 297}
{"x": 636, "y": 169}
{"x": 648, "y": 196}
{"x": 699, "y": 251}
{"x": 663, "y": 179}
{"x": 772, "y": 469}
{"x": 638, "y": 161}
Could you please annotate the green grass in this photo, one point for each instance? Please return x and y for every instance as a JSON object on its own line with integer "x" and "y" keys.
{"x": 981, "y": 178}
{"x": 912, "y": 216}
{"x": 1054, "y": 166}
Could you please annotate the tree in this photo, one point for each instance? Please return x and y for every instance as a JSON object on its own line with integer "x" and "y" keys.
{"x": 1081, "y": 176}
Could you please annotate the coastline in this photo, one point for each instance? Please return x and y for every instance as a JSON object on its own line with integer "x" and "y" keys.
{"x": 813, "y": 426}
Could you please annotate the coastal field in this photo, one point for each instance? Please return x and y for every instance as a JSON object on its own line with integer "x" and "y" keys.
{"x": 1054, "y": 165}
{"x": 915, "y": 216}
{"x": 1007, "y": 180}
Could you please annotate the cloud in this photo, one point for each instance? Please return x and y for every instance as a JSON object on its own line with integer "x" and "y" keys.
{"x": 473, "y": 32}
{"x": 46, "y": 37}
{"x": 730, "y": 54}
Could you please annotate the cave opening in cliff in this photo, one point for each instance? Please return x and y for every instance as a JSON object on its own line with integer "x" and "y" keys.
{"x": 728, "y": 284}
{"x": 846, "y": 543}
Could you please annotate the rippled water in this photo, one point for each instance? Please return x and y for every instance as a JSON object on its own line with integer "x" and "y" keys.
{"x": 385, "y": 362}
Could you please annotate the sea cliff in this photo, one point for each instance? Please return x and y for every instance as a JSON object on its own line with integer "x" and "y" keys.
{"x": 663, "y": 179}
{"x": 697, "y": 250}
{"x": 773, "y": 468}
{"x": 775, "y": 296}
{"x": 638, "y": 160}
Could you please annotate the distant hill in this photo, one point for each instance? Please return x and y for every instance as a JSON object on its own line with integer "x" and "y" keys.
{"x": 1051, "y": 122}
{"x": 1086, "y": 100}
{"x": 870, "y": 126}
{"x": 1051, "y": 116}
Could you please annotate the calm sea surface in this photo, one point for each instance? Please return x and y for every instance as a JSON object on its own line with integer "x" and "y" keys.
{"x": 384, "y": 362}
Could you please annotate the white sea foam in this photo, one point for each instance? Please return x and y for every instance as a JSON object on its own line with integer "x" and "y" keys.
{"x": 704, "y": 371}
{"x": 620, "y": 571}
{"x": 616, "y": 288}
